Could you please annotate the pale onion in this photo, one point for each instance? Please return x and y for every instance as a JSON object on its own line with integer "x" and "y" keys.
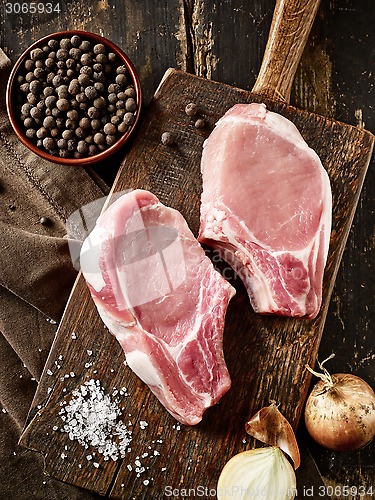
{"x": 340, "y": 411}
{"x": 263, "y": 473}
{"x": 270, "y": 427}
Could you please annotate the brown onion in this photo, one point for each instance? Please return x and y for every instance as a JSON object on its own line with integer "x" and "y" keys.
{"x": 340, "y": 411}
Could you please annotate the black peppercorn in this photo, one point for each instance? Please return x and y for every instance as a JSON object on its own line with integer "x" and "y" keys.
{"x": 30, "y": 133}
{"x": 121, "y": 79}
{"x": 112, "y": 98}
{"x": 62, "y": 55}
{"x": 167, "y": 139}
{"x": 84, "y": 79}
{"x": 99, "y": 48}
{"x": 91, "y": 92}
{"x": 35, "y": 112}
{"x": 42, "y": 133}
{"x": 130, "y": 104}
{"x": 86, "y": 70}
{"x": 36, "y": 54}
{"x": 32, "y": 99}
{"x": 85, "y": 123}
{"x": 85, "y": 46}
{"x": 49, "y": 122}
{"x": 101, "y": 59}
{"x": 99, "y": 103}
{"x": 191, "y": 109}
{"x": 109, "y": 129}
{"x": 74, "y": 87}
{"x": 50, "y": 101}
{"x": 122, "y": 127}
{"x": 56, "y": 112}
{"x": 67, "y": 134}
{"x": 25, "y": 87}
{"x": 39, "y": 73}
{"x": 28, "y": 122}
{"x": 62, "y": 104}
{"x": 129, "y": 118}
{"x": 76, "y": 40}
{"x": 45, "y": 221}
{"x": 47, "y": 91}
{"x": 49, "y": 143}
{"x": 62, "y": 92}
{"x": 62, "y": 144}
{"x": 65, "y": 43}
{"x": 200, "y": 123}
{"x": 54, "y": 44}
{"x": 99, "y": 138}
{"x": 82, "y": 147}
{"x": 121, "y": 70}
{"x": 72, "y": 144}
{"x": 29, "y": 77}
{"x": 29, "y": 65}
{"x": 96, "y": 124}
{"x": 86, "y": 59}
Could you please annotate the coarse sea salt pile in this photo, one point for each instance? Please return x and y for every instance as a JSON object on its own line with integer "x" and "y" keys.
{"x": 91, "y": 418}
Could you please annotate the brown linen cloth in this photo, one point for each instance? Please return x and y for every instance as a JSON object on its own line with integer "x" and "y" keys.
{"x": 36, "y": 276}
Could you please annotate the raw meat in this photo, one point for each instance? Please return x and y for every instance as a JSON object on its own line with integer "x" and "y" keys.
{"x": 266, "y": 208}
{"x": 161, "y": 297}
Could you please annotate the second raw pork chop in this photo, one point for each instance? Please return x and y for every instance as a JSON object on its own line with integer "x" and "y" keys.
{"x": 161, "y": 297}
{"x": 266, "y": 207}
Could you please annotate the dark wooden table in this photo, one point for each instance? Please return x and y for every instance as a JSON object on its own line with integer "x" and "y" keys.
{"x": 224, "y": 40}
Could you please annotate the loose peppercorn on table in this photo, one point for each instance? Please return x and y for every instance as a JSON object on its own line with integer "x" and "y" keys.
{"x": 222, "y": 41}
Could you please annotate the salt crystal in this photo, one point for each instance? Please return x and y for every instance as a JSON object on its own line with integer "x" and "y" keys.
{"x": 143, "y": 424}
{"x": 95, "y": 464}
{"x": 74, "y": 336}
{"x": 49, "y": 372}
{"x": 129, "y": 467}
{"x": 91, "y": 418}
{"x": 89, "y": 352}
{"x": 3, "y": 410}
{"x": 63, "y": 456}
{"x": 146, "y": 482}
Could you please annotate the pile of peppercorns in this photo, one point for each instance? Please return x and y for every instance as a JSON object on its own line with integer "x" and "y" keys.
{"x": 76, "y": 98}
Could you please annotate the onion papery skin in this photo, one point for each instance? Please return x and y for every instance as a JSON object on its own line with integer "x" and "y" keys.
{"x": 341, "y": 416}
{"x": 262, "y": 473}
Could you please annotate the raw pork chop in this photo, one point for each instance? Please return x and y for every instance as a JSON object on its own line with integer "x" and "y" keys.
{"x": 161, "y": 297}
{"x": 266, "y": 207}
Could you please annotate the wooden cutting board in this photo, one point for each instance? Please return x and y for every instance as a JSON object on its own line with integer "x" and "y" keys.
{"x": 266, "y": 356}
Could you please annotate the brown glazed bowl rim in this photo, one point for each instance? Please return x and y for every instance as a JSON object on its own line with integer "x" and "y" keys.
{"x": 12, "y": 89}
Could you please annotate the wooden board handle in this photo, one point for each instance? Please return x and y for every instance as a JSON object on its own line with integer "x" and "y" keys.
{"x": 290, "y": 28}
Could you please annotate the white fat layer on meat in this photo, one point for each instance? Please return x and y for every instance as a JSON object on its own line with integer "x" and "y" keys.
{"x": 90, "y": 259}
{"x": 140, "y": 363}
{"x": 118, "y": 328}
{"x": 259, "y": 283}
